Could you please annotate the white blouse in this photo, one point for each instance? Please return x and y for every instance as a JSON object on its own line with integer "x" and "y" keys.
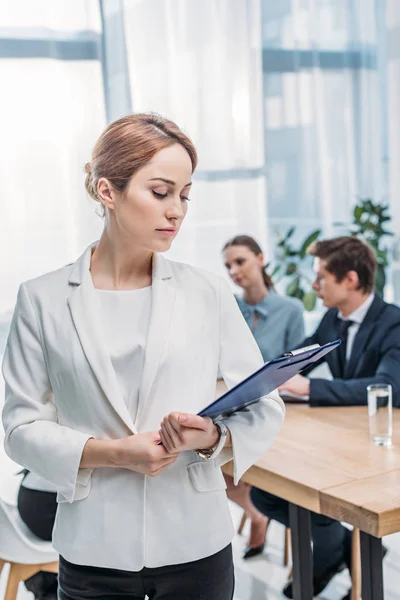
{"x": 126, "y": 317}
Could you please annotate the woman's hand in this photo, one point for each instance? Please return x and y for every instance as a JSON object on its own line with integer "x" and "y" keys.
{"x": 181, "y": 431}
{"x": 142, "y": 454}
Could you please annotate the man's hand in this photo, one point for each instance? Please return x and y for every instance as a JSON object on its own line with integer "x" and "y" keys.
{"x": 182, "y": 431}
{"x": 298, "y": 385}
{"x": 142, "y": 454}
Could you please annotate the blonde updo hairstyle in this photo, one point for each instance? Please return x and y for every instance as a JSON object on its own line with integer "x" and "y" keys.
{"x": 127, "y": 145}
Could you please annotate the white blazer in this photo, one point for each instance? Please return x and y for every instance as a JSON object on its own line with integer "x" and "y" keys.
{"x": 61, "y": 390}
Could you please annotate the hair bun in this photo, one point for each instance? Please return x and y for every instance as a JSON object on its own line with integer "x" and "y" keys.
{"x": 90, "y": 186}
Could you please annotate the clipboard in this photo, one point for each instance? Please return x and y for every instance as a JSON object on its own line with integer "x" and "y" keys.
{"x": 268, "y": 378}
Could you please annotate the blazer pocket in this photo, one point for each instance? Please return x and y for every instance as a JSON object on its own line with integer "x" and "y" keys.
{"x": 206, "y": 476}
{"x": 82, "y": 487}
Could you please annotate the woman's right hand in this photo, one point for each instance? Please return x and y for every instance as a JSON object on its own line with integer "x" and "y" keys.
{"x": 142, "y": 454}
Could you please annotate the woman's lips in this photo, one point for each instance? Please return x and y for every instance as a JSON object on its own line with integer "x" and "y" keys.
{"x": 167, "y": 231}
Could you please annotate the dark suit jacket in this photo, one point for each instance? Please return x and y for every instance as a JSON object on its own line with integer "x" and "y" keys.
{"x": 375, "y": 357}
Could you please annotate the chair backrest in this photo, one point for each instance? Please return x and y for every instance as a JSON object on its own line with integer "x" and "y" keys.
{"x": 9, "y": 486}
{"x": 17, "y": 543}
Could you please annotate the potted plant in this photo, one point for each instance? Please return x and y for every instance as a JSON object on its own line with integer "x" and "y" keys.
{"x": 369, "y": 222}
{"x": 294, "y": 266}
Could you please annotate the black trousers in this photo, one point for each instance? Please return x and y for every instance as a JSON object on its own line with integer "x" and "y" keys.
{"x": 210, "y": 578}
{"x": 331, "y": 541}
{"x": 38, "y": 511}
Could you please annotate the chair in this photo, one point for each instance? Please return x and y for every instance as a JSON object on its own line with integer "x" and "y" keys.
{"x": 24, "y": 552}
{"x": 355, "y": 557}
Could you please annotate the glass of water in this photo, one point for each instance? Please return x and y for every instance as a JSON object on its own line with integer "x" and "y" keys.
{"x": 380, "y": 413}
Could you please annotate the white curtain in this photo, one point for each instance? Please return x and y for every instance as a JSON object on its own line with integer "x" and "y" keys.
{"x": 323, "y": 111}
{"x": 393, "y": 107}
{"x": 51, "y": 111}
{"x": 199, "y": 63}
{"x": 393, "y": 78}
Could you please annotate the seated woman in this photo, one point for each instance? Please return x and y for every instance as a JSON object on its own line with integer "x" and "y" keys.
{"x": 277, "y": 325}
{"x": 37, "y": 507}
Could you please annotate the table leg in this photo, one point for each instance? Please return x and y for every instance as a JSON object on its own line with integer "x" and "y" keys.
{"x": 300, "y": 525}
{"x": 371, "y": 567}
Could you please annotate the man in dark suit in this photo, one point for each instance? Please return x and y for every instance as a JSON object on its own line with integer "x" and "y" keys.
{"x": 369, "y": 328}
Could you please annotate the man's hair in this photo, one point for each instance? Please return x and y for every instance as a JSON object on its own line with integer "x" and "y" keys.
{"x": 347, "y": 253}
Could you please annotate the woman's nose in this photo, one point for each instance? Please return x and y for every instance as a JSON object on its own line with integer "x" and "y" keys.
{"x": 175, "y": 210}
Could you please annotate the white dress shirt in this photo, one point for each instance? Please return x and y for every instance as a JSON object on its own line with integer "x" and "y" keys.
{"x": 125, "y": 317}
{"x": 357, "y": 316}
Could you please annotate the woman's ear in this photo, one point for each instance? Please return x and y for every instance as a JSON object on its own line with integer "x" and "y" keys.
{"x": 106, "y": 193}
{"x": 260, "y": 258}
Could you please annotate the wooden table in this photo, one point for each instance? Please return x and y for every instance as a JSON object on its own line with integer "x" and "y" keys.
{"x": 323, "y": 461}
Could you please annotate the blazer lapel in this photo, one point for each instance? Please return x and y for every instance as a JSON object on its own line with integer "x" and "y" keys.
{"x": 86, "y": 315}
{"x": 362, "y": 336}
{"x": 162, "y": 304}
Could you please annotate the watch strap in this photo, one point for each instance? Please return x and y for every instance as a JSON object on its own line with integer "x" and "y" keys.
{"x": 210, "y": 453}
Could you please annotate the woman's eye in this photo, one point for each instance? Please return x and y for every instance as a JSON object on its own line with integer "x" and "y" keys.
{"x": 185, "y": 198}
{"x": 159, "y": 195}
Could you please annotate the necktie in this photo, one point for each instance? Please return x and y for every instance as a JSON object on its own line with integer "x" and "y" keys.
{"x": 343, "y": 334}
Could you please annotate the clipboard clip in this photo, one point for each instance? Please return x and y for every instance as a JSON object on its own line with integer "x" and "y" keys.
{"x": 300, "y": 350}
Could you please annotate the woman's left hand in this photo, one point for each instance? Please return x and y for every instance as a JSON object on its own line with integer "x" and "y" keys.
{"x": 182, "y": 431}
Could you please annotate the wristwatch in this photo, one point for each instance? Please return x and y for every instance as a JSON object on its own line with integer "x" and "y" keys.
{"x": 209, "y": 453}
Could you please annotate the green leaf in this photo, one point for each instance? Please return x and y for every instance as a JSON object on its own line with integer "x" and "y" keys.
{"x": 380, "y": 280}
{"x": 308, "y": 241}
{"x": 382, "y": 254}
{"x": 290, "y": 232}
{"x": 291, "y": 268}
{"x": 358, "y": 211}
{"x": 275, "y": 271}
{"x": 293, "y": 286}
{"x": 299, "y": 294}
{"x": 309, "y": 300}
{"x": 368, "y": 205}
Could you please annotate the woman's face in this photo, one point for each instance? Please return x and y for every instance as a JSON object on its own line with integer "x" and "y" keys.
{"x": 244, "y": 267}
{"x": 151, "y": 211}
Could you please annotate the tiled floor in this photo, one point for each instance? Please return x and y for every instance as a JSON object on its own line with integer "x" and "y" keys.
{"x": 263, "y": 577}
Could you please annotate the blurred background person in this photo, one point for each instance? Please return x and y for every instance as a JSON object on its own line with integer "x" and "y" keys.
{"x": 277, "y": 324}
{"x": 369, "y": 328}
{"x": 276, "y": 321}
{"x": 345, "y": 270}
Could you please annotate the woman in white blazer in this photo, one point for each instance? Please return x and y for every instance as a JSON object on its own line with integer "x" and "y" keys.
{"x": 116, "y": 352}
